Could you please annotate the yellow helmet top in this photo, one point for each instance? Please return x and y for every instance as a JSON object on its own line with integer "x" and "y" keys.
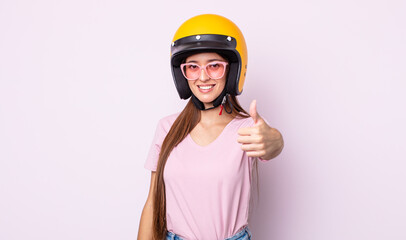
{"x": 204, "y": 33}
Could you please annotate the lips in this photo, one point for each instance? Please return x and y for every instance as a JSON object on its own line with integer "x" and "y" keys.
{"x": 206, "y": 88}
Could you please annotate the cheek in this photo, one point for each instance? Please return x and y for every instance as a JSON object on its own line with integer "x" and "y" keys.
{"x": 190, "y": 85}
{"x": 222, "y": 83}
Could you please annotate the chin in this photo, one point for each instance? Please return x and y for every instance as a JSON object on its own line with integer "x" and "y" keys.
{"x": 206, "y": 99}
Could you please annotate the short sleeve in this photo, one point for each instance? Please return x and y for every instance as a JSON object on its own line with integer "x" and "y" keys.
{"x": 155, "y": 148}
{"x": 162, "y": 129}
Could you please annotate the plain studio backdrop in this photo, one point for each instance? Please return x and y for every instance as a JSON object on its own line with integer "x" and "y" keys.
{"x": 84, "y": 83}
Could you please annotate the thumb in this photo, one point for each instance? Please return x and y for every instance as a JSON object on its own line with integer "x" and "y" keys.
{"x": 253, "y": 111}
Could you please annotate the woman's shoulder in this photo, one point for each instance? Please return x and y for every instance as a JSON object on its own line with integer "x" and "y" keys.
{"x": 167, "y": 121}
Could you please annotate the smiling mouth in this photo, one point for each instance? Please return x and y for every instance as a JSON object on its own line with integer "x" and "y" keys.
{"x": 205, "y": 87}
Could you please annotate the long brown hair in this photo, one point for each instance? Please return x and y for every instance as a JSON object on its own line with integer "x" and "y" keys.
{"x": 183, "y": 125}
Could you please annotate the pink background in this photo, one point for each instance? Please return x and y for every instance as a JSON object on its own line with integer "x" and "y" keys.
{"x": 84, "y": 83}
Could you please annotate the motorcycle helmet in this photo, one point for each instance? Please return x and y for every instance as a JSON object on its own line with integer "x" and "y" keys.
{"x": 210, "y": 33}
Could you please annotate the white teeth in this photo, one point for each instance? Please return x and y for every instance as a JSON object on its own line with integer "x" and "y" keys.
{"x": 206, "y": 87}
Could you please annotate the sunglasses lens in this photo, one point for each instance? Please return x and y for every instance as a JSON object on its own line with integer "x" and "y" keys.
{"x": 215, "y": 70}
{"x": 191, "y": 71}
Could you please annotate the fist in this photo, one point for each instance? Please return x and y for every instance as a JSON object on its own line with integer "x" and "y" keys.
{"x": 260, "y": 140}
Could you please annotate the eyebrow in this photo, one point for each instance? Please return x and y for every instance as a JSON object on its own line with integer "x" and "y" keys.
{"x": 210, "y": 60}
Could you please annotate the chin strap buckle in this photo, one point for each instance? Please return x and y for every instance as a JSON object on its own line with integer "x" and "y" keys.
{"x": 222, "y": 104}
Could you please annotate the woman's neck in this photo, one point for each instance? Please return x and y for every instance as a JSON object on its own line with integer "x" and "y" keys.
{"x": 212, "y": 116}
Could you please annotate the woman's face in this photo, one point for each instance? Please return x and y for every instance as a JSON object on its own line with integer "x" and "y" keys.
{"x": 205, "y": 88}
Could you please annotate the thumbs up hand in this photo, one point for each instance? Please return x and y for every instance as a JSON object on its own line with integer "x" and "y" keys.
{"x": 260, "y": 140}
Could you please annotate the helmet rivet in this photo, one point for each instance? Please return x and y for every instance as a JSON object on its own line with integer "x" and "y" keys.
{"x": 198, "y": 37}
{"x": 229, "y": 39}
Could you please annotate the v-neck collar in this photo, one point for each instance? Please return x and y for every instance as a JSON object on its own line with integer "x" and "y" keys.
{"x": 190, "y": 139}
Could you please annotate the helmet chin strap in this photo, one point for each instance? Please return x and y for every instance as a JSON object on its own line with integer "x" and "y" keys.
{"x": 222, "y": 99}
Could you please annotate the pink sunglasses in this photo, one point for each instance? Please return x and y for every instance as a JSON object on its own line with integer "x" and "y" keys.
{"x": 192, "y": 71}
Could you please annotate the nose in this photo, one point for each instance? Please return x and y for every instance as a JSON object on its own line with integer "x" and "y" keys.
{"x": 203, "y": 75}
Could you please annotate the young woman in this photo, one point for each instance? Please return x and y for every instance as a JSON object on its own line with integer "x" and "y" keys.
{"x": 201, "y": 159}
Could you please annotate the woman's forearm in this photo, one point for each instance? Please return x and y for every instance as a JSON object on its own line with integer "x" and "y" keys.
{"x": 145, "y": 231}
